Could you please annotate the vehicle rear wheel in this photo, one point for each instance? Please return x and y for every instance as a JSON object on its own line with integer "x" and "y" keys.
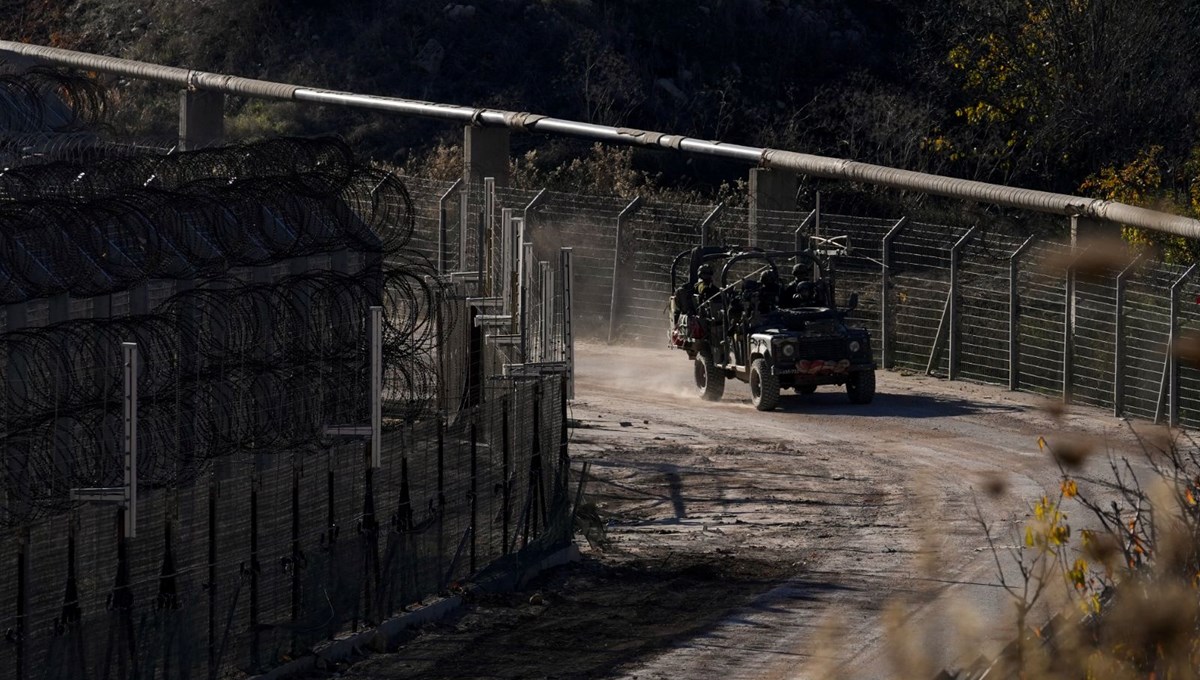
{"x": 764, "y": 387}
{"x": 860, "y": 387}
{"x": 805, "y": 389}
{"x": 710, "y": 380}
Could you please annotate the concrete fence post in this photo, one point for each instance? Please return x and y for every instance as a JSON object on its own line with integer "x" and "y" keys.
{"x": 769, "y": 190}
{"x": 486, "y": 154}
{"x": 885, "y": 296}
{"x": 1014, "y": 315}
{"x": 618, "y": 253}
{"x": 201, "y": 119}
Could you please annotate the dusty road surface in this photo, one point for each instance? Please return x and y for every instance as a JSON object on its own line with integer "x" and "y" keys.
{"x": 740, "y": 544}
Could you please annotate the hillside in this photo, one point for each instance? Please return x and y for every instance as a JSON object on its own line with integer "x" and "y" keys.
{"x": 1031, "y": 92}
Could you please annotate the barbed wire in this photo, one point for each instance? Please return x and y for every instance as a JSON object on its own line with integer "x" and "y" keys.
{"x": 230, "y": 364}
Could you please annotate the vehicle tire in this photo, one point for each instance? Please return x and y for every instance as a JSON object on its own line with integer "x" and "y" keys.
{"x": 710, "y": 380}
{"x": 861, "y": 387}
{"x": 764, "y": 387}
{"x": 805, "y": 389}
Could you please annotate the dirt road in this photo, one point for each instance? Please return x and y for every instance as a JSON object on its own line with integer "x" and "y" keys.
{"x": 748, "y": 545}
{"x": 869, "y": 504}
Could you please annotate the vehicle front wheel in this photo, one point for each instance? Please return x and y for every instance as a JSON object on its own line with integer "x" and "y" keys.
{"x": 710, "y": 380}
{"x": 764, "y": 387}
{"x": 861, "y": 387}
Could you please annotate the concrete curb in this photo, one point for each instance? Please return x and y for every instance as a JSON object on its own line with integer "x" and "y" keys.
{"x": 388, "y": 632}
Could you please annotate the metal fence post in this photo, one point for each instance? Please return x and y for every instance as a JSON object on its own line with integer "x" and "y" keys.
{"x": 1068, "y": 348}
{"x": 507, "y": 258}
{"x": 1119, "y": 339}
{"x": 1014, "y": 316}
{"x": 1170, "y": 381}
{"x": 464, "y": 226}
{"x": 525, "y": 269}
{"x": 707, "y": 222}
{"x": 487, "y": 225}
{"x": 544, "y": 319}
{"x": 617, "y": 252}
{"x": 885, "y": 298}
{"x": 442, "y": 226}
{"x": 568, "y": 304}
{"x": 955, "y": 336}
{"x": 376, "y": 387}
{"x": 798, "y": 235}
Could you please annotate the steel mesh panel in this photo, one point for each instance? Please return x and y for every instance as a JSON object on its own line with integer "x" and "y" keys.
{"x": 1042, "y": 299}
{"x": 984, "y": 307}
{"x": 1189, "y": 374}
{"x": 1095, "y": 313}
{"x": 920, "y": 283}
{"x": 1147, "y": 327}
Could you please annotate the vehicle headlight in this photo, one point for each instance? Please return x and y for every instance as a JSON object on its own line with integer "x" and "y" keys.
{"x": 789, "y": 350}
{"x": 855, "y": 346}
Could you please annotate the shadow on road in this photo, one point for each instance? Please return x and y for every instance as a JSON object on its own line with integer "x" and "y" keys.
{"x": 832, "y": 400}
{"x": 589, "y": 620}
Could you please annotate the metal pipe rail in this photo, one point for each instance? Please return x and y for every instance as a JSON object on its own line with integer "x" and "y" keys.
{"x": 807, "y": 164}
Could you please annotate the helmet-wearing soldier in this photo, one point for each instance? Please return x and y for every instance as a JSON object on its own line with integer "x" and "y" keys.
{"x": 704, "y": 283}
{"x": 796, "y": 293}
{"x": 769, "y": 290}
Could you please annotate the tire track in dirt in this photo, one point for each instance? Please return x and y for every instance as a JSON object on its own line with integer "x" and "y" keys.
{"x": 865, "y": 504}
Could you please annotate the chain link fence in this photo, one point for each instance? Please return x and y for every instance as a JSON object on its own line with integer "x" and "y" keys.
{"x": 981, "y": 302}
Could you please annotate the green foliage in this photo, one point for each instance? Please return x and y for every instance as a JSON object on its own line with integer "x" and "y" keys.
{"x": 1149, "y": 181}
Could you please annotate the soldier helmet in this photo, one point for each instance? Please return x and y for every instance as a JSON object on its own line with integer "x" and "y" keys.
{"x": 800, "y": 271}
{"x": 705, "y": 271}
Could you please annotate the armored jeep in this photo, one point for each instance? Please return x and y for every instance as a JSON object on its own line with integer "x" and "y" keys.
{"x": 735, "y": 318}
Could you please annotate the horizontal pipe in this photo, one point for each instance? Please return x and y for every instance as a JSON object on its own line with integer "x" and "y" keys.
{"x": 802, "y": 163}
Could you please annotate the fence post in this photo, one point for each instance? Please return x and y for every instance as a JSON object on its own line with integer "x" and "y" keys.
{"x": 773, "y": 190}
{"x": 201, "y": 119}
{"x": 946, "y": 326}
{"x": 505, "y": 264}
{"x": 544, "y": 322}
{"x": 1068, "y": 350}
{"x": 1170, "y": 381}
{"x": 1014, "y": 316}
{"x": 525, "y": 270}
{"x": 617, "y": 248}
{"x": 376, "y": 387}
{"x": 955, "y": 335}
{"x": 464, "y": 216}
{"x": 473, "y": 494}
{"x": 798, "y": 235}
{"x": 885, "y": 299}
{"x": 707, "y": 222}
{"x": 568, "y": 304}
{"x": 442, "y": 226}
{"x": 1119, "y": 340}
{"x": 487, "y": 225}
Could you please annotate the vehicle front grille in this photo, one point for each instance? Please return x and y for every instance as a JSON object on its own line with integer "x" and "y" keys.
{"x": 831, "y": 348}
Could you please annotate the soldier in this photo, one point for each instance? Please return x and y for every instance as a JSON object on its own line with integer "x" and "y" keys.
{"x": 799, "y": 291}
{"x": 769, "y": 291}
{"x": 704, "y": 283}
